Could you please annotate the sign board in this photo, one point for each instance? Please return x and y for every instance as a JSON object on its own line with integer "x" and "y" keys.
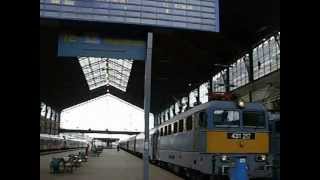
{"x": 96, "y": 46}
{"x": 183, "y": 14}
{"x": 244, "y": 136}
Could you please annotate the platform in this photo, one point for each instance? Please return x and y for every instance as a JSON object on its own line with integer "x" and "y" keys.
{"x": 111, "y": 165}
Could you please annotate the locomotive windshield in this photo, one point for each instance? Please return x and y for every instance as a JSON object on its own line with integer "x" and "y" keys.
{"x": 254, "y": 119}
{"x": 226, "y": 118}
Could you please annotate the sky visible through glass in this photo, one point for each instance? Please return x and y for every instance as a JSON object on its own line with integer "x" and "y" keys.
{"x": 105, "y": 112}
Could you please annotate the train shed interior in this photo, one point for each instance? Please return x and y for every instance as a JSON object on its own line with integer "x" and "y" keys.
{"x": 189, "y": 67}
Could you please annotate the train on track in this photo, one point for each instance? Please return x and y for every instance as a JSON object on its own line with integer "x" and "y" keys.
{"x": 204, "y": 142}
{"x": 58, "y": 142}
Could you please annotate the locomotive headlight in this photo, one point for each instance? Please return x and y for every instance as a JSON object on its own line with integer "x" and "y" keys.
{"x": 261, "y": 157}
{"x": 241, "y": 103}
{"x": 224, "y": 158}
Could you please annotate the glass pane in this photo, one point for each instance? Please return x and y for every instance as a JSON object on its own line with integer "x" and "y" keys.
{"x": 48, "y": 112}
{"x": 204, "y": 92}
{"x": 193, "y": 98}
{"x": 218, "y": 84}
{"x": 225, "y": 117}
{"x": 254, "y": 119}
{"x": 171, "y": 111}
{"x": 189, "y": 123}
{"x": 102, "y": 71}
{"x": 177, "y": 108}
{"x": 43, "y": 109}
{"x": 181, "y": 125}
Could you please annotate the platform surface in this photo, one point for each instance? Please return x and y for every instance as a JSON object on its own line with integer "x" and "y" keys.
{"x": 111, "y": 165}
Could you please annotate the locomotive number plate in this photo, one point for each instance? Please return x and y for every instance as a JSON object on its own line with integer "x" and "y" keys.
{"x": 241, "y": 135}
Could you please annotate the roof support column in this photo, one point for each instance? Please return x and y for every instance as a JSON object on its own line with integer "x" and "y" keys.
{"x": 147, "y": 92}
{"x": 249, "y": 65}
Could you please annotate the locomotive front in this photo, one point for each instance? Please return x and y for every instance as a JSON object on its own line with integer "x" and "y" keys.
{"x": 238, "y": 132}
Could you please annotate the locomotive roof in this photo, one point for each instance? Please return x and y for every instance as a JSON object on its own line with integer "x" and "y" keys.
{"x": 215, "y": 104}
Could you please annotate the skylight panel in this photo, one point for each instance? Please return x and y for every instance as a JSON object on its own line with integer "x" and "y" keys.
{"x": 103, "y": 71}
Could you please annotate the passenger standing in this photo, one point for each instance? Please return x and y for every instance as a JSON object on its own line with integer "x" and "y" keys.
{"x": 87, "y": 149}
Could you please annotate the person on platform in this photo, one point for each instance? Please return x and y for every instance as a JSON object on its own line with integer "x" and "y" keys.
{"x": 87, "y": 149}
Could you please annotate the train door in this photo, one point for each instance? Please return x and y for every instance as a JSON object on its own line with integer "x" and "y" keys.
{"x": 155, "y": 145}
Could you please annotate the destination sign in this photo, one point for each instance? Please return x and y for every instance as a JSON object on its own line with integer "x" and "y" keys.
{"x": 188, "y": 14}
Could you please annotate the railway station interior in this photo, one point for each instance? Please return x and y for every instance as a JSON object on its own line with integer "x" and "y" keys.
{"x": 159, "y": 89}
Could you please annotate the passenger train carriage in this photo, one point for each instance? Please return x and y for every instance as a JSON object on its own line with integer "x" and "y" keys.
{"x": 208, "y": 138}
{"x": 56, "y": 142}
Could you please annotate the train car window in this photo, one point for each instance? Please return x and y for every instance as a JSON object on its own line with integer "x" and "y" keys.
{"x": 175, "y": 127}
{"x": 165, "y": 130}
{"x": 169, "y": 129}
{"x": 254, "y": 119}
{"x": 161, "y": 132}
{"x": 189, "y": 123}
{"x": 181, "y": 125}
{"x": 226, "y": 118}
{"x": 203, "y": 119}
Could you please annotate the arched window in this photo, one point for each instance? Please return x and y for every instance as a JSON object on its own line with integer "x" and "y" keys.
{"x": 43, "y": 109}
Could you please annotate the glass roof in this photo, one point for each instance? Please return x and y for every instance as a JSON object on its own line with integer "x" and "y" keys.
{"x": 106, "y": 71}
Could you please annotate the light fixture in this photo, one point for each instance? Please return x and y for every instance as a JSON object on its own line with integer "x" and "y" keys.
{"x": 241, "y": 103}
{"x": 224, "y": 158}
{"x": 261, "y": 157}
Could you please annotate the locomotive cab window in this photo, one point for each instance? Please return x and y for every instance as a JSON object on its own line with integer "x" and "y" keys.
{"x": 181, "y": 125}
{"x": 203, "y": 119}
{"x": 254, "y": 119}
{"x": 189, "y": 123}
{"x": 226, "y": 118}
{"x": 175, "y": 127}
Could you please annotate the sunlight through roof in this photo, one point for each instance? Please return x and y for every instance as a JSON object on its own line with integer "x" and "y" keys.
{"x": 106, "y": 71}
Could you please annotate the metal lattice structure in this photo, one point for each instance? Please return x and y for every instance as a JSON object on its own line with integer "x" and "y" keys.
{"x": 106, "y": 71}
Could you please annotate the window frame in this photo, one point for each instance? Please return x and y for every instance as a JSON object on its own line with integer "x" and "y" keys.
{"x": 165, "y": 130}
{"x": 256, "y": 127}
{"x": 175, "y": 127}
{"x": 226, "y": 125}
{"x": 188, "y": 123}
{"x": 180, "y": 125}
{"x": 201, "y": 125}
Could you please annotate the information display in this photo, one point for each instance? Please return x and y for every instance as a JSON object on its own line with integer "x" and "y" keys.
{"x": 188, "y": 14}
{"x": 99, "y": 46}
